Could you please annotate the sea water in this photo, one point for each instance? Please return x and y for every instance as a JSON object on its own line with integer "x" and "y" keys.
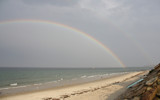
{"x": 25, "y": 79}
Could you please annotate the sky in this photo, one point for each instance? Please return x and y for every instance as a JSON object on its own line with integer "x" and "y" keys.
{"x": 129, "y": 28}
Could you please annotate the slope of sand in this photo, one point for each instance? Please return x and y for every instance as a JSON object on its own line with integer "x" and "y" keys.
{"x": 98, "y": 90}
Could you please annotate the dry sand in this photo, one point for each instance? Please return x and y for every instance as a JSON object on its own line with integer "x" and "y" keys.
{"x": 105, "y": 89}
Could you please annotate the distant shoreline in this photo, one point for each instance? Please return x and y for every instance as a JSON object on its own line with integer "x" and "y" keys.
{"x": 50, "y": 85}
{"x": 20, "y": 80}
{"x": 73, "y": 89}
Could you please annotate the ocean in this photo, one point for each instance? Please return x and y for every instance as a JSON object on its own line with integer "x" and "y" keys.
{"x": 28, "y": 79}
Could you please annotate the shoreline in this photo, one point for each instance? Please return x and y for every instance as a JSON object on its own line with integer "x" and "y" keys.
{"x": 8, "y": 91}
{"x": 71, "y": 91}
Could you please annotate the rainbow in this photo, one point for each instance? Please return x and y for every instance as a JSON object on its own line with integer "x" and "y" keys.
{"x": 108, "y": 50}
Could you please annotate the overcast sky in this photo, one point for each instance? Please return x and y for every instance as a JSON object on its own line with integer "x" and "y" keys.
{"x": 130, "y": 28}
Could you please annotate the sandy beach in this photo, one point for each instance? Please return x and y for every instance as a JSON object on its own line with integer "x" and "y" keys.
{"x": 105, "y": 89}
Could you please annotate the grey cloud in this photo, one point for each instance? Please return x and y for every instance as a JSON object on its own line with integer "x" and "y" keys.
{"x": 44, "y": 45}
{"x": 51, "y": 2}
{"x": 121, "y": 25}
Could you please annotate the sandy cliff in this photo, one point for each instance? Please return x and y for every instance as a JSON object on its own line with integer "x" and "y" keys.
{"x": 147, "y": 88}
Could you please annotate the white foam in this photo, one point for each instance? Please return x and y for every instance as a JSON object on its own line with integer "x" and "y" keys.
{"x": 13, "y": 84}
{"x": 14, "y": 87}
{"x": 60, "y": 79}
{"x": 84, "y": 76}
{"x": 38, "y": 84}
{"x": 91, "y": 76}
{"x": 4, "y": 88}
